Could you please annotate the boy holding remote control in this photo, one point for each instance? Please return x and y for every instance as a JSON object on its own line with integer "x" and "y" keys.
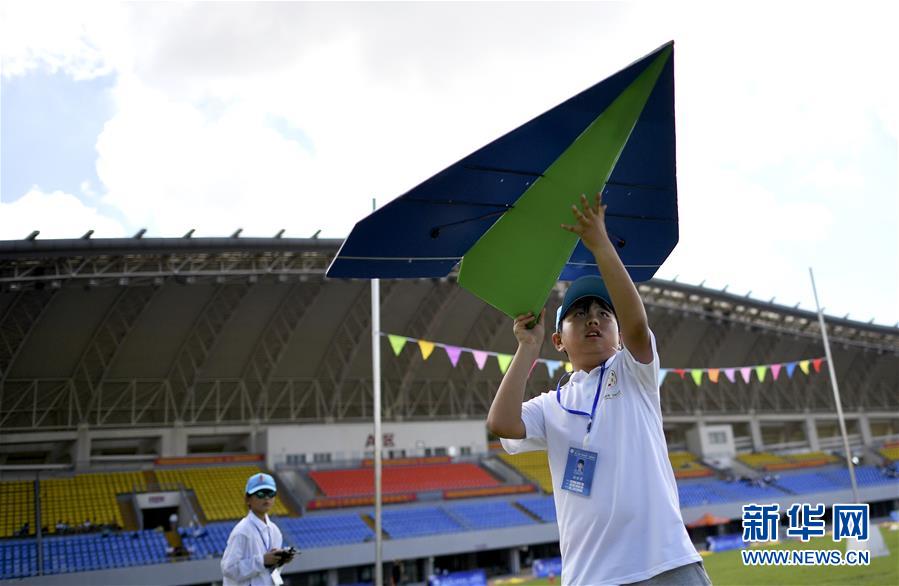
{"x": 254, "y": 555}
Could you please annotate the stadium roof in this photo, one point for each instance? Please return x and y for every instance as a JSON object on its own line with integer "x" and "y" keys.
{"x": 145, "y": 331}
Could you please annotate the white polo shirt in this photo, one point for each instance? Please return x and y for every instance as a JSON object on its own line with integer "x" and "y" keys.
{"x": 242, "y": 562}
{"x": 630, "y": 527}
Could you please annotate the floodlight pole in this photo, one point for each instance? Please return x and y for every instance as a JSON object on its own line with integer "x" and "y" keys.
{"x": 376, "y": 392}
{"x": 836, "y": 390}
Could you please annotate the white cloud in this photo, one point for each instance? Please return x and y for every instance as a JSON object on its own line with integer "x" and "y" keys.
{"x": 82, "y": 39}
{"x": 778, "y": 105}
{"x": 55, "y": 215}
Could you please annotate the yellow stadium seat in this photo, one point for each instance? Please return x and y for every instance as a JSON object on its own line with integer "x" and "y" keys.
{"x": 82, "y": 497}
{"x": 533, "y": 466}
{"x": 218, "y": 489}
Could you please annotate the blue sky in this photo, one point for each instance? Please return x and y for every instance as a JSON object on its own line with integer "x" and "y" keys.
{"x": 265, "y": 116}
{"x": 50, "y": 124}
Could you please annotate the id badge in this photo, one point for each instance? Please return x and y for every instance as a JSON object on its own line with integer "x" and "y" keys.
{"x": 579, "y": 471}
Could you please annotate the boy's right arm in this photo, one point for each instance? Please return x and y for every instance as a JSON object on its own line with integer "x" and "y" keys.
{"x": 504, "y": 419}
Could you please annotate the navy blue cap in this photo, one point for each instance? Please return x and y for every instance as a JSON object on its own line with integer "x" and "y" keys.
{"x": 587, "y": 286}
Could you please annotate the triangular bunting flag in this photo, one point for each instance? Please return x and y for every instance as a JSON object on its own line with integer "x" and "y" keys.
{"x": 680, "y": 372}
{"x": 775, "y": 370}
{"x": 397, "y": 343}
{"x": 791, "y": 366}
{"x": 552, "y": 366}
{"x": 569, "y": 367}
{"x": 803, "y": 366}
{"x": 480, "y": 358}
{"x": 730, "y": 374}
{"x": 426, "y": 348}
{"x": 453, "y": 352}
{"x": 696, "y": 373}
{"x": 817, "y": 364}
{"x": 713, "y": 375}
{"x": 760, "y": 372}
{"x": 504, "y": 360}
{"x": 663, "y": 372}
{"x": 746, "y": 372}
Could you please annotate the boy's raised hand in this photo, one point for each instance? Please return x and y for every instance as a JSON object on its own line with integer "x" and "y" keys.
{"x": 532, "y": 336}
{"x": 591, "y": 223}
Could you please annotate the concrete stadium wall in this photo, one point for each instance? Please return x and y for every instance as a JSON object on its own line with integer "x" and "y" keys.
{"x": 354, "y": 441}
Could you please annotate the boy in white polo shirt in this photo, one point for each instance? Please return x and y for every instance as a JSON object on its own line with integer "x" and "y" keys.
{"x": 254, "y": 556}
{"x": 614, "y": 490}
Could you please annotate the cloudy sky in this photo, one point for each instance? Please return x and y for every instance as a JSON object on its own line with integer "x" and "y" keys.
{"x": 263, "y": 116}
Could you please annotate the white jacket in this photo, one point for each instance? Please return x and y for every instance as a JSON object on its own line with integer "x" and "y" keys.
{"x": 242, "y": 563}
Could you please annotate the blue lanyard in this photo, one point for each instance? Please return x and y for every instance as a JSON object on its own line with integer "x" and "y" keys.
{"x": 264, "y": 545}
{"x": 602, "y": 373}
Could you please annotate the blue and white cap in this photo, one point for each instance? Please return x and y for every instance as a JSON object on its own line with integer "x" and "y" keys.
{"x": 260, "y": 481}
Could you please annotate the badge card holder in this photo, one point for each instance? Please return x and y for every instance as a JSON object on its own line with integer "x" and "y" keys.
{"x": 579, "y": 471}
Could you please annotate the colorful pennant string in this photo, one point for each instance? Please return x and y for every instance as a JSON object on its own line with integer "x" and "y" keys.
{"x": 553, "y": 367}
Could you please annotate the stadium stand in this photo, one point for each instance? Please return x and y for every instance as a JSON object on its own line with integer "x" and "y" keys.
{"x": 686, "y": 465}
{"x": 212, "y": 542}
{"x": 705, "y": 492}
{"x": 542, "y": 507}
{"x": 325, "y": 530}
{"x": 890, "y": 451}
{"x": 81, "y": 553}
{"x": 18, "y": 558}
{"x": 180, "y": 355}
{"x": 16, "y": 507}
{"x": 488, "y": 515}
{"x": 303, "y": 532}
{"x": 769, "y": 462}
{"x": 833, "y": 479}
{"x": 416, "y": 522}
{"x": 402, "y": 479}
{"x": 532, "y": 465}
{"x": 217, "y": 489}
{"x": 84, "y": 497}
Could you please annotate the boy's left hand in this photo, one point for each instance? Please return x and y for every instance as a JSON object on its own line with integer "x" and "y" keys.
{"x": 591, "y": 223}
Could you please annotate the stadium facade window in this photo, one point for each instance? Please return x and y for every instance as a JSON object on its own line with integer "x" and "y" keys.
{"x": 296, "y": 458}
{"x": 396, "y": 454}
{"x": 321, "y": 457}
{"x": 717, "y": 437}
{"x": 465, "y": 450}
{"x": 439, "y": 451}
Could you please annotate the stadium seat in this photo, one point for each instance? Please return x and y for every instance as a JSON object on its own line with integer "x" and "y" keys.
{"x": 325, "y": 530}
{"x": 543, "y": 507}
{"x": 218, "y": 489}
{"x": 686, "y": 465}
{"x": 402, "y": 479}
{"x": 16, "y": 506}
{"x": 416, "y": 522}
{"x": 82, "y": 497}
{"x": 488, "y": 515}
{"x": 769, "y": 462}
{"x": 532, "y": 465}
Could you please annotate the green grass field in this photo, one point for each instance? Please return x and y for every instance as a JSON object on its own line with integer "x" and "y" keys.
{"x": 727, "y": 569}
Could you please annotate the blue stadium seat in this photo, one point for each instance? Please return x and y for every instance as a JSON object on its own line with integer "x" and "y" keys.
{"x": 418, "y": 521}
{"x": 543, "y": 507}
{"x": 488, "y": 515}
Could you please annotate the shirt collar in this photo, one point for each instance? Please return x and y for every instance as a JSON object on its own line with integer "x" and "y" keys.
{"x": 257, "y": 521}
{"x": 581, "y": 376}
